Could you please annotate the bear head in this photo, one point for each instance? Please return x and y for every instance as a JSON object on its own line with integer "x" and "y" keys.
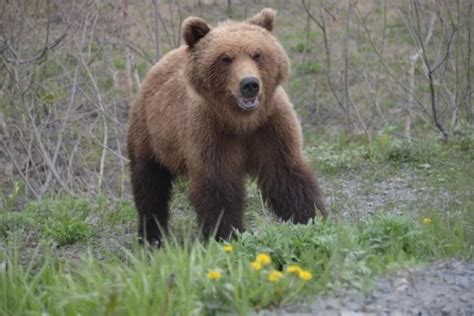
{"x": 235, "y": 66}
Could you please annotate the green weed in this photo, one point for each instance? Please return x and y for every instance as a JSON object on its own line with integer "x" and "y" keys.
{"x": 342, "y": 155}
{"x": 312, "y": 67}
{"x": 331, "y": 159}
{"x": 118, "y": 63}
{"x": 8, "y": 201}
{"x": 176, "y": 280}
{"x": 59, "y": 220}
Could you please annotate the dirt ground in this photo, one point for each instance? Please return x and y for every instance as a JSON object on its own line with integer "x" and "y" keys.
{"x": 444, "y": 288}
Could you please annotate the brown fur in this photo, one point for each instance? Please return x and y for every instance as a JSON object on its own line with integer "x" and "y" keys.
{"x": 187, "y": 122}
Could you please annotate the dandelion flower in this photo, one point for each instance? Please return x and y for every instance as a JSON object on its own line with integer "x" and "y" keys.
{"x": 214, "y": 275}
{"x": 263, "y": 259}
{"x": 275, "y": 276}
{"x": 426, "y": 220}
{"x": 305, "y": 275}
{"x": 255, "y": 265}
{"x": 293, "y": 268}
{"x": 228, "y": 248}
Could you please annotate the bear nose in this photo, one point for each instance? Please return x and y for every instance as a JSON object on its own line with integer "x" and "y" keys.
{"x": 249, "y": 87}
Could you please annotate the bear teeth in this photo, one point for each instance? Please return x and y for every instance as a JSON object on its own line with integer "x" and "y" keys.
{"x": 248, "y": 103}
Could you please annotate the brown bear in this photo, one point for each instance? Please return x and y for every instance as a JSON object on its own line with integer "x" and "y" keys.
{"x": 214, "y": 110}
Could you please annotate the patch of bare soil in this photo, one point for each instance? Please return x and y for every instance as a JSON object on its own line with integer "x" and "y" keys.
{"x": 359, "y": 195}
{"x": 445, "y": 288}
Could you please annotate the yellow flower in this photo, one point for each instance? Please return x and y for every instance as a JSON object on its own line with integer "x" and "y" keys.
{"x": 214, "y": 275}
{"x": 228, "y": 248}
{"x": 275, "y": 276}
{"x": 255, "y": 265}
{"x": 305, "y": 275}
{"x": 426, "y": 220}
{"x": 263, "y": 259}
{"x": 293, "y": 268}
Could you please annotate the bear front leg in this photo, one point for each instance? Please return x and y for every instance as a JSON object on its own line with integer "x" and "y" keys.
{"x": 291, "y": 190}
{"x": 217, "y": 187}
{"x": 286, "y": 180}
{"x": 151, "y": 186}
{"x": 218, "y": 203}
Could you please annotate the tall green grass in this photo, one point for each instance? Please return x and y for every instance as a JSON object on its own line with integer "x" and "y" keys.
{"x": 174, "y": 280}
{"x": 50, "y": 261}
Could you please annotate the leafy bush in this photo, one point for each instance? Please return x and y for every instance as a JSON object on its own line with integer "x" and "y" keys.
{"x": 333, "y": 159}
{"x": 288, "y": 243}
{"x": 392, "y": 236}
{"x": 61, "y": 220}
{"x": 342, "y": 155}
{"x": 308, "y": 68}
{"x": 406, "y": 152}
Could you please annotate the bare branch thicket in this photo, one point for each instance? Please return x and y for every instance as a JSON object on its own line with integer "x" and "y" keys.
{"x": 128, "y": 55}
{"x": 53, "y": 117}
{"x": 322, "y": 26}
{"x": 374, "y": 88}
{"x": 429, "y": 68}
{"x": 469, "y": 88}
{"x": 345, "y": 70}
{"x": 168, "y": 32}
{"x": 38, "y": 56}
{"x": 413, "y": 58}
{"x": 173, "y": 42}
{"x": 229, "y": 7}
{"x": 65, "y": 104}
{"x": 434, "y": 54}
{"x": 457, "y": 92}
{"x": 180, "y": 21}
{"x": 314, "y": 105}
{"x": 14, "y": 61}
{"x": 156, "y": 7}
{"x": 397, "y": 78}
{"x": 376, "y": 102}
{"x": 102, "y": 113}
{"x": 348, "y": 100}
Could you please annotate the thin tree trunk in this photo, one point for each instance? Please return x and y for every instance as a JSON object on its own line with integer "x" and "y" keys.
{"x": 429, "y": 69}
{"x": 171, "y": 14}
{"x": 322, "y": 26}
{"x": 128, "y": 57}
{"x": 229, "y": 7}
{"x": 469, "y": 89}
{"x": 409, "y": 105}
{"x": 156, "y": 5}
{"x": 346, "y": 68}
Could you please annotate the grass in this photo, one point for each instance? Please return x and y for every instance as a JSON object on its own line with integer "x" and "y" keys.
{"x": 385, "y": 149}
{"x": 70, "y": 255}
{"x": 175, "y": 279}
{"x": 62, "y": 221}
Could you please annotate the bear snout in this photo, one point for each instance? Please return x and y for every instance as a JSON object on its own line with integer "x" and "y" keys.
{"x": 249, "y": 87}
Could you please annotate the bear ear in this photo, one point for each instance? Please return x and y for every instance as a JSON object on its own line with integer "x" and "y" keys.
{"x": 264, "y": 19}
{"x": 194, "y": 29}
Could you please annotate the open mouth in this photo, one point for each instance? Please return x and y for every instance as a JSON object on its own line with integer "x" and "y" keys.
{"x": 248, "y": 103}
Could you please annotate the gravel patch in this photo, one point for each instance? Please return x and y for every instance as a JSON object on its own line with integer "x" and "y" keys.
{"x": 445, "y": 289}
{"x": 357, "y": 196}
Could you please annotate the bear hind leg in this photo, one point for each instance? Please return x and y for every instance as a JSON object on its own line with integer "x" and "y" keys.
{"x": 151, "y": 185}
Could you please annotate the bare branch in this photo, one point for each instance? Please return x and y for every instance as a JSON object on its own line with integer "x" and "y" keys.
{"x": 156, "y": 6}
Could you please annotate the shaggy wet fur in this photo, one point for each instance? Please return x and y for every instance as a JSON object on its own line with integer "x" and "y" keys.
{"x": 187, "y": 122}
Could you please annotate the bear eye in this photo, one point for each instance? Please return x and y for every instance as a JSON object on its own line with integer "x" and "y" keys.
{"x": 226, "y": 60}
{"x": 257, "y": 56}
